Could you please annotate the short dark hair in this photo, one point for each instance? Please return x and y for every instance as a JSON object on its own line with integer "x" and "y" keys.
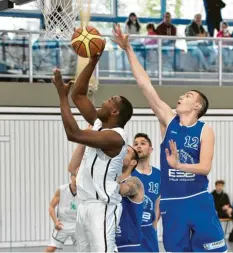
{"x": 151, "y": 26}
{"x": 220, "y": 182}
{"x": 135, "y": 157}
{"x": 142, "y": 135}
{"x": 204, "y": 103}
{"x": 167, "y": 13}
{"x": 126, "y": 111}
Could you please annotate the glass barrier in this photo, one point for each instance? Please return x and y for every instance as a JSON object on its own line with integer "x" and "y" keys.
{"x": 28, "y": 56}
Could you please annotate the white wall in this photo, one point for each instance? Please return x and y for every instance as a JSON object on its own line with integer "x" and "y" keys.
{"x": 34, "y": 154}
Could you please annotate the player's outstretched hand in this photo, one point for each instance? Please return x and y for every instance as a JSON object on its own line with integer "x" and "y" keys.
{"x": 120, "y": 38}
{"x": 62, "y": 88}
{"x": 172, "y": 157}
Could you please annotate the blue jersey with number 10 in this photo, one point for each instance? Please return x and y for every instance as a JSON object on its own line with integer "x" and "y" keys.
{"x": 151, "y": 184}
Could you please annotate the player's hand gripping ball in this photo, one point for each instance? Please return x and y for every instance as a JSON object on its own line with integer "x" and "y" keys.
{"x": 87, "y": 42}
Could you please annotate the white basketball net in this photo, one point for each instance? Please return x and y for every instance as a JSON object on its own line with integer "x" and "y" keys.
{"x": 60, "y": 16}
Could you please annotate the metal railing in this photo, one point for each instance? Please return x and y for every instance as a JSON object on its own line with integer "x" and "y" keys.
{"x": 28, "y": 56}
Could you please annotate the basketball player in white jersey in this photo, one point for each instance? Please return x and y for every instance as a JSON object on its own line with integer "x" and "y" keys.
{"x": 65, "y": 219}
{"x": 97, "y": 188}
{"x": 65, "y": 199}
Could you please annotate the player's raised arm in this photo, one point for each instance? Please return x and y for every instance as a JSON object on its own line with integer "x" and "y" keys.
{"x": 79, "y": 94}
{"x": 160, "y": 108}
{"x": 76, "y": 159}
{"x": 109, "y": 140}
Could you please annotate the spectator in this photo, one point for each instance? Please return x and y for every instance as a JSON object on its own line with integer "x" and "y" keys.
{"x": 221, "y": 199}
{"x": 202, "y": 50}
{"x": 132, "y": 24}
{"x": 213, "y": 14}
{"x": 196, "y": 28}
{"x": 226, "y": 50}
{"x": 166, "y": 27}
{"x": 150, "y": 31}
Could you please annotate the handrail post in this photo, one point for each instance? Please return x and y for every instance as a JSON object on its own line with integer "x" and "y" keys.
{"x": 220, "y": 62}
{"x": 160, "y": 60}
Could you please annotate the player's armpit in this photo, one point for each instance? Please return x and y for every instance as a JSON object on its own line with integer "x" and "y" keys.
{"x": 109, "y": 141}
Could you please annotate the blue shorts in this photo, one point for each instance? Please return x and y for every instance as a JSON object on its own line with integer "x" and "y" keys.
{"x": 192, "y": 225}
{"x": 131, "y": 248}
{"x": 149, "y": 239}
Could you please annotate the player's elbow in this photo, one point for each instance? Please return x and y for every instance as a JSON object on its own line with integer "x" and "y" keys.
{"x": 143, "y": 82}
{"x": 76, "y": 97}
{"x": 72, "y": 170}
{"x": 205, "y": 169}
{"x": 72, "y": 135}
{"x": 51, "y": 210}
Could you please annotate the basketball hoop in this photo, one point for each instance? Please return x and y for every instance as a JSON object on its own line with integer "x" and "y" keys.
{"x": 60, "y": 16}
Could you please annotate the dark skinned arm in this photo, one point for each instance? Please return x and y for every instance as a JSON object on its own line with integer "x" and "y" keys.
{"x": 104, "y": 140}
{"x": 80, "y": 91}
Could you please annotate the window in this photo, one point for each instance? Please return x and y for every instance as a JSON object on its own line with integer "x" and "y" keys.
{"x": 97, "y": 6}
{"x": 142, "y": 8}
{"x": 9, "y": 23}
{"x": 185, "y": 9}
{"x": 104, "y": 7}
{"x": 227, "y": 11}
{"x": 27, "y": 6}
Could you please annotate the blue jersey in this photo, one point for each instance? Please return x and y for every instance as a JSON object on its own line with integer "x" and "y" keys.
{"x": 129, "y": 229}
{"x": 151, "y": 184}
{"x": 176, "y": 183}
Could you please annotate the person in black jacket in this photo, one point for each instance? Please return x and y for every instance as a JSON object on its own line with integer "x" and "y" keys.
{"x": 221, "y": 199}
{"x": 213, "y": 14}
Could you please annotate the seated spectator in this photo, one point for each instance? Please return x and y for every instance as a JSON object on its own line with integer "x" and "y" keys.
{"x": 166, "y": 27}
{"x": 224, "y": 32}
{"x": 227, "y": 53}
{"x": 150, "y": 31}
{"x": 132, "y": 24}
{"x": 202, "y": 50}
{"x": 221, "y": 199}
{"x": 196, "y": 28}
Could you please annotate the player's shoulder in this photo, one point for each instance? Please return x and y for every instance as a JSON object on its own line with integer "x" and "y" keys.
{"x": 136, "y": 181}
{"x": 156, "y": 170}
{"x": 207, "y": 132}
{"x": 63, "y": 187}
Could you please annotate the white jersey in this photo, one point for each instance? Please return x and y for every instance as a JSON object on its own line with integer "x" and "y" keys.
{"x": 96, "y": 179}
{"x": 67, "y": 208}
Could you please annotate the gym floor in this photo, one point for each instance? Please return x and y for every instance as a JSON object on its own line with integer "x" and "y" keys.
{"x": 71, "y": 249}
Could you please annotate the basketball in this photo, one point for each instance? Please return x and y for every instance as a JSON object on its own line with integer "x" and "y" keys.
{"x": 87, "y": 42}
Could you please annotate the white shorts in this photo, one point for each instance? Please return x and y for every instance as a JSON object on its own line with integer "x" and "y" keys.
{"x": 60, "y": 237}
{"x": 96, "y": 226}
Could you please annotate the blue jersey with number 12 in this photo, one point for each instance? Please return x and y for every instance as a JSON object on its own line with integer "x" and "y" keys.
{"x": 176, "y": 183}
